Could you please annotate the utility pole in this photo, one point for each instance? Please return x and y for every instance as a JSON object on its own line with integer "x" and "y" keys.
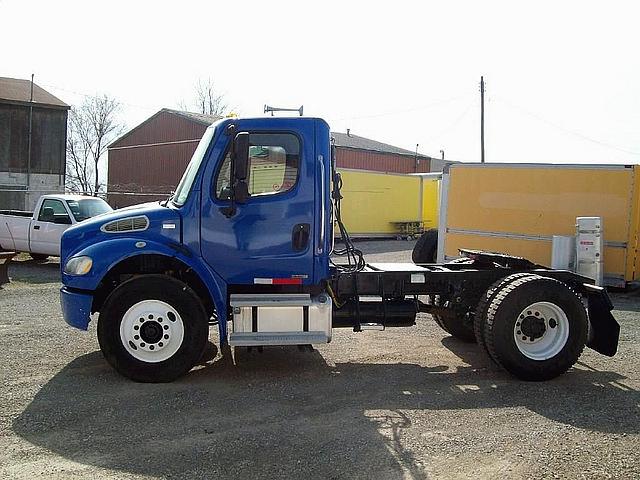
{"x": 482, "y": 119}
{"x": 30, "y": 132}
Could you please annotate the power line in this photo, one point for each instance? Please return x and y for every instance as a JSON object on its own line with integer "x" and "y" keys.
{"x": 566, "y": 130}
{"x": 408, "y": 110}
{"x": 87, "y": 95}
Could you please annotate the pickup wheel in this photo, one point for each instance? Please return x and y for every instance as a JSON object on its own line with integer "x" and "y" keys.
{"x": 39, "y": 257}
{"x": 153, "y": 328}
{"x": 536, "y": 327}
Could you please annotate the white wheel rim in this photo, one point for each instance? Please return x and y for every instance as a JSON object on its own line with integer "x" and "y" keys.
{"x": 151, "y": 331}
{"x": 541, "y": 330}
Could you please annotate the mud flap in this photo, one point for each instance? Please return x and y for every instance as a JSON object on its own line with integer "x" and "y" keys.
{"x": 604, "y": 329}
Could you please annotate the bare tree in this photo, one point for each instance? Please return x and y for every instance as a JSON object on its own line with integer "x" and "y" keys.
{"x": 207, "y": 100}
{"x": 92, "y": 126}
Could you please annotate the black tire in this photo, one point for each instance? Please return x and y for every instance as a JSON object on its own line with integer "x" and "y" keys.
{"x": 39, "y": 257}
{"x": 454, "y": 325}
{"x": 462, "y": 260}
{"x": 426, "y": 248}
{"x": 480, "y": 316}
{"x": 168, "y": 290}
{"x": 504, "y": 311}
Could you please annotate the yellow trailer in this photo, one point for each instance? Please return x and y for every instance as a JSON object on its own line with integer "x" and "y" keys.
{"x": 375, "y": 204}
{"x": 517, "y": 208}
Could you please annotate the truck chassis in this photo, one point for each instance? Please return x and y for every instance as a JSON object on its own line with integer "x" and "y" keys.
{"x": 465, "y": 298}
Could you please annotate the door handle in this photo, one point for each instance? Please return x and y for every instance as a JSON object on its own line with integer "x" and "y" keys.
{"x": 36, "y": 227}
{"x": 300, "y": 237}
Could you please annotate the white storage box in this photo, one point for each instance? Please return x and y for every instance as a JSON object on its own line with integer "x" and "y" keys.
{"x": 280, "y": 319}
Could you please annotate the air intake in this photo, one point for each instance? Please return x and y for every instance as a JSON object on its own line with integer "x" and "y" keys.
{"x": 131, "y": 224}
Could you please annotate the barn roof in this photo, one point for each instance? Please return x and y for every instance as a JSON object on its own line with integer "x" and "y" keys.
{"x": 350, "y": 140}
{"x": 18, "y": 91}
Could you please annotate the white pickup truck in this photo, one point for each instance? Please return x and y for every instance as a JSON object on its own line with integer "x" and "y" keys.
{"x": 39, "y": 232}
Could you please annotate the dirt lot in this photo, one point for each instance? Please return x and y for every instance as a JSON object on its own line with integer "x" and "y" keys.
{"x": 405, "y": 403}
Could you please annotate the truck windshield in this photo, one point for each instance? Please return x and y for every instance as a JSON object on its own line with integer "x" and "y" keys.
{"x": 184, "y": 187}
{"x": 87, "y": 208}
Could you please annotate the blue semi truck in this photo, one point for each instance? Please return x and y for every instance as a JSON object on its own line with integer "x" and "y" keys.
{"x": 246, "y": 243}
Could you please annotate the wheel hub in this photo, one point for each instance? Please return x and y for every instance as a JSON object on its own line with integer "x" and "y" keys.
{"x": 541, "y": 330}
{"x": 151, "y": 332}
{"x": 533, "y": 327}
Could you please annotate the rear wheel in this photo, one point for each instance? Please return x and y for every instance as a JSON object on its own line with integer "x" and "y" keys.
{"x": 536, "y": 327}
{"x": 480, "y": 316}
{"x": 153, "y": 329}
{"x": 455, "y": 325}
{"x": 426, "y": 248}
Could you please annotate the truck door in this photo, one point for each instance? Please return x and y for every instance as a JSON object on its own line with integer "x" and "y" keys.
{"x": 269, "y": 238}
{"x": 47, "y": 228}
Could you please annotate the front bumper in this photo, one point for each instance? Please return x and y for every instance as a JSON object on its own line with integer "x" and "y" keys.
{"x": 76, "y": 308}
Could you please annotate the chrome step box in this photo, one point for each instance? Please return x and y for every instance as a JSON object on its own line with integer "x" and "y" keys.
{"x": 280, "y": 319}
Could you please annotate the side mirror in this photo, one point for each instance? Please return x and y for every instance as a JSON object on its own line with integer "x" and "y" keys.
{"x": 241, "y": 156}
{"x": 240, "y": 160}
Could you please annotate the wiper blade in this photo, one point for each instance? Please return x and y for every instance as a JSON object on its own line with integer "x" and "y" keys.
{"x": 166, "y": 202}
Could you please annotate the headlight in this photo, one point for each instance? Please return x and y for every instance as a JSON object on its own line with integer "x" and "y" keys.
{"x": 78, "y": 266}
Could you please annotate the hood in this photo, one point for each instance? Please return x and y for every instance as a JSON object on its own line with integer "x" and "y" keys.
{"x": 139, "y": 222}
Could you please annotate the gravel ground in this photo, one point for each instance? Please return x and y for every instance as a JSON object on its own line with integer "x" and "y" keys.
{"x": 405, "y": 403}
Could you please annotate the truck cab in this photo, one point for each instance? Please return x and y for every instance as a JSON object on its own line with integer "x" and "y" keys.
{"x": 245, "y": 243}
{"x": 267, "y": 233}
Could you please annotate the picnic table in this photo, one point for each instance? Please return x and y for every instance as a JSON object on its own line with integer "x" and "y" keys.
{"x": 408, "y": 229}
{"x": 5, "y": 258}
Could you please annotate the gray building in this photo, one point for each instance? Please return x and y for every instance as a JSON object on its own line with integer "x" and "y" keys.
{"x": 33, "y": 136}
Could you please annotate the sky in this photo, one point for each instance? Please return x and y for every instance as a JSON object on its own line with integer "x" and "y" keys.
{"x": 562, "y": 78}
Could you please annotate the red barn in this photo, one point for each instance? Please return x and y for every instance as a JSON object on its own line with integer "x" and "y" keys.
{"x": 146, "y": 163}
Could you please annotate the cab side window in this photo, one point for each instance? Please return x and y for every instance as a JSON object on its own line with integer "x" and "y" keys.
{"x": 53, "y": 211}
{"x": 274, "y": 160}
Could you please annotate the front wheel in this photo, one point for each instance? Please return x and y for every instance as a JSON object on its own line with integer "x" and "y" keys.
{"x": 153, "y": 329}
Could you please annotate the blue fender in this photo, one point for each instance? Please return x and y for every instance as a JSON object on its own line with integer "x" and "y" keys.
{"x": 107, "y": 254}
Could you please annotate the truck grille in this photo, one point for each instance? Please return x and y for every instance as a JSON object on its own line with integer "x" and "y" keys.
{"x": 131, "y": 224}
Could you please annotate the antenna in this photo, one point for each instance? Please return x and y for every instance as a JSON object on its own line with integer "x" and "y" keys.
{"x": 268, "y": 109}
